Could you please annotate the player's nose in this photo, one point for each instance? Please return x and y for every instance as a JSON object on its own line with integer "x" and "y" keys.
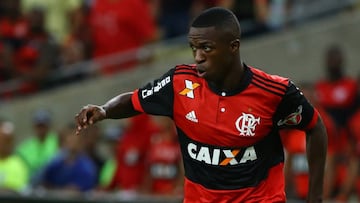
{"x": 199, "y": 56}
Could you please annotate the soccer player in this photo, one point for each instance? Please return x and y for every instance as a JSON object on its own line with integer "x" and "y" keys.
{"x": 227, "y": 116}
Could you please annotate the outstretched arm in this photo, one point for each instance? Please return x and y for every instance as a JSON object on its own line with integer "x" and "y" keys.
{"x": 316, "y": 148}
{"x": 116, "y": 108}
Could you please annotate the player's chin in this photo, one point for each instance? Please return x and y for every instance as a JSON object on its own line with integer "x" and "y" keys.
{"x": 201, "y": 74}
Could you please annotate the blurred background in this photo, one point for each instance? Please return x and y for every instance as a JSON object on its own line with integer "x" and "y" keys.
{"x": 57, "y": 56}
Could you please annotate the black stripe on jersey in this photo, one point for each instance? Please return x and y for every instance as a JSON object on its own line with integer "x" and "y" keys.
{"x": 186, "y": 73}
{"x": 267, "y": 89}
{"x": 267, "y": 81}
{"x": 269, "y": 85}
{"x": 230, "y": 176}
{"x": 185, "y": 67}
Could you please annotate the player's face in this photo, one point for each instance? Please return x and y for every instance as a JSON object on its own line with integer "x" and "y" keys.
{"x": 212, "y": 53}
{"x": 334, "y": 64}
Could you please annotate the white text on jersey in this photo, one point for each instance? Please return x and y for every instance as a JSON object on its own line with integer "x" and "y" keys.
{"x": 202, "y": 154}
{"x": 148, "y": 92}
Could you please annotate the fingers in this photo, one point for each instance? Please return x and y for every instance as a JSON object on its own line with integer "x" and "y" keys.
{"x": 83, "y": 117}
{"x": 88, "y": 115}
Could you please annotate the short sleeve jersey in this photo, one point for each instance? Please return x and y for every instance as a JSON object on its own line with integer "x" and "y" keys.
{"x": 229, "y": 139}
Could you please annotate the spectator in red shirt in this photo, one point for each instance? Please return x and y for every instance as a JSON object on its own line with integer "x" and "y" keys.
{"x": 37, "y": 57}
{"x": 337, "y": 95}
{"x": 352, "y": 181}
{"x": 119, "y": 26}
{"x": 164, "y": 174}
{"x": 13, "y": 25}
{"x": 131, "y": 154}
{"x": 296, "y": 167}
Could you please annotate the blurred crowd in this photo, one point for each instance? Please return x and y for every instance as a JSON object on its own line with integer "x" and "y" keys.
{"x": 41, "y": 38}
{"x": 43, "y": 42}
{"x": 139, "y": 156}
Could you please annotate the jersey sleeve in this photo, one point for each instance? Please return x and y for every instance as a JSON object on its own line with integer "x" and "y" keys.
{"x": 156, "y": 97}
{"x": 295, "y": 111}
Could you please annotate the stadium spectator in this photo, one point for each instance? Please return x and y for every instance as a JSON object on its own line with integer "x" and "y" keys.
{"x": 55, "y": 14}
{"x": 351, "y": 185}
{"x": 131, "y": 154}
{"x": 14, "y": 30}
{"x": 6, "y": 63}
{"x": 40, "y": 147}
{"x": 227, "y": 115}
{"x": 14, "y": 27}
{"x": 112, "y": 138}
{"x": 79, "y": 35}
{"x": 7, "y": 70}
{"x": 37, "y": 58}
{"x": 164, "y": 175}
{"x": 336, "y": 93}
{"x": 13, "y": 172}
{"x": 71, "y": 169}
{"x": 174, "y": 17}
{"x": 252, "y": 15}
{"x": 119, "y": 26}
{"x": 296, "y": 167}
{"x": 91, "y": 145}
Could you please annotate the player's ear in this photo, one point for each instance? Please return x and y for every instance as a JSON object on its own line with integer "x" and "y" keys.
{"x": 235, "y": 45}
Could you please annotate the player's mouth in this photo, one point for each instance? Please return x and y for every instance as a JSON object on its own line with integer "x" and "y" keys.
{"x": 201, "y": 72}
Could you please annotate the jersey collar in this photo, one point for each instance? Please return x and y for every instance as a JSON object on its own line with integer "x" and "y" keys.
{"x": 244, "y": 84}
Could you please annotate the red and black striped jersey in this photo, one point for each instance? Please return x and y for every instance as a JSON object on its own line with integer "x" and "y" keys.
{"x": 229, "y": 140}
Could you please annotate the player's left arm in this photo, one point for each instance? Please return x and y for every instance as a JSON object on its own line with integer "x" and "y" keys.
{"x": 316, "y": 148}
{"x": 295, "y": 111}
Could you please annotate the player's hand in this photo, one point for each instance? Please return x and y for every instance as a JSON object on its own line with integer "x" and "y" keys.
{"x": 89, "y": 115}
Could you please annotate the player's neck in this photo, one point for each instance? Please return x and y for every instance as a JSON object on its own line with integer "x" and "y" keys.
{"x": 233, "y": 79}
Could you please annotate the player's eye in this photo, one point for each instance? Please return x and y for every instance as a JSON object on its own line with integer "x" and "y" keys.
{"x": 207, "y": 48}
{"x": 193, "y": 48}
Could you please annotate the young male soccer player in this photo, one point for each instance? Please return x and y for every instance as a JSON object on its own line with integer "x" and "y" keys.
{"x": 227, "y": 116}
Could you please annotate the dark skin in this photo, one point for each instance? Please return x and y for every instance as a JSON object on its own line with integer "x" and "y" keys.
{"x": 217, "y": 56}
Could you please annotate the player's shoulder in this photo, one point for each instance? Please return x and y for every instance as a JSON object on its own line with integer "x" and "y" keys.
{"x": 271, "y": 83}
{"x": 185, "y": 69}
{"x": 267, "y": 77}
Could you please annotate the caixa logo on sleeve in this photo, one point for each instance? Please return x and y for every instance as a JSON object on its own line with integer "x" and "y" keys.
{"x": 155, "y": 88}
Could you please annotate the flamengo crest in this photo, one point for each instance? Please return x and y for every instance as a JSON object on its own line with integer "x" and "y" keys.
{"x": 246, "y": 124}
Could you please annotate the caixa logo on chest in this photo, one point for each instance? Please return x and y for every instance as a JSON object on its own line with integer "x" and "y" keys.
{"x": 221, "y": 157}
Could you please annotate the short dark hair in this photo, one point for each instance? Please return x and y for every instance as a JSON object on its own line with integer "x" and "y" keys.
{"x": 221, "y": 18}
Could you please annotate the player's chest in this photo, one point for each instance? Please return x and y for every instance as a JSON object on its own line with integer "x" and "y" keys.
{"x": 216, "y": 119}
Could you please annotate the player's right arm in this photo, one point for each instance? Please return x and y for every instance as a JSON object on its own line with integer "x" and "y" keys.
{"x": 154, "y": 98}
{"x": 118, "y": 107}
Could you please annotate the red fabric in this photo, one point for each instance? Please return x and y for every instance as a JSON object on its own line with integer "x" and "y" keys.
{"x": 211, "y": 125}
{"x": 339, "y": 94}
{"x": 120, "y": 25}
{"x": 354, "y": 126}
{"x": 314, "y": 120}
{"x": 293, "y": 140}
{"x": 295, "y": 143}
{"x": 269, "y": 190}
{"x": 164, "y": 153}
{"x": 336, "y": 141}
{"x": 131, "y": 153}
{"x": 26, "y": 59}
{"x": 18, "y": 29}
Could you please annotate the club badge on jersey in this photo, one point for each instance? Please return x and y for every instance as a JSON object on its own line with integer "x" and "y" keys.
{"x": 292, "y": 119}
{"x": 246, "y": 124}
